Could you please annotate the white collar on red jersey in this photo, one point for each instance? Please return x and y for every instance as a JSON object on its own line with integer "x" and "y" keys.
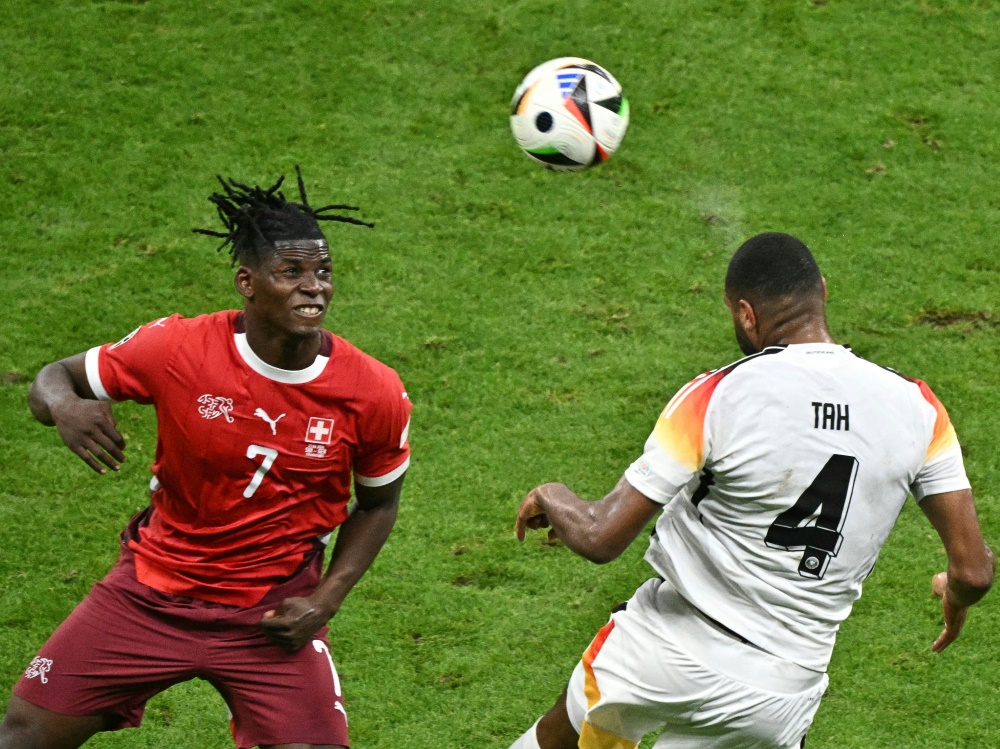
{"x": 286, "y": 376}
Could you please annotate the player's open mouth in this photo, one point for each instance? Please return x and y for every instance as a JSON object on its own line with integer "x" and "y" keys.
{"x": 309, "y": 310}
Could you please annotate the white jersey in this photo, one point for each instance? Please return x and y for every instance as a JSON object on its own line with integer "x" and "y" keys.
{"x": 782, "y": 475}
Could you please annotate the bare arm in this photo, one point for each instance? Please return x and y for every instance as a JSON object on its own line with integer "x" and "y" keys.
{"x": 60, "y": 396}
{"x": 971, "y": 563}
{"x": 359, "y": 541}
{"x": 599, "y": 531}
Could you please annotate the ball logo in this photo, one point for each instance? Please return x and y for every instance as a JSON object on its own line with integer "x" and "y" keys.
{"x": 568, "y": 81}
{"x": 214, "y": 406}
{"x": 38, "y": 668}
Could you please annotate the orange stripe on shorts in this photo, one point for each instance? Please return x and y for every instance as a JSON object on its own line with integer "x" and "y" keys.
{"x": 590, "y": 688}
{"x": 592, "y": 737}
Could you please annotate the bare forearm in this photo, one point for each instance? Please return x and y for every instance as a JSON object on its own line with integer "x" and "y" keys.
{"x": 599, "y": 531}
{"x": 576, "y": 522}
{"x": 359, "y": 541}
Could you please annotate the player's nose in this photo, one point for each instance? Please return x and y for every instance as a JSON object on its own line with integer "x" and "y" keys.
{"x": 312, "y": 284}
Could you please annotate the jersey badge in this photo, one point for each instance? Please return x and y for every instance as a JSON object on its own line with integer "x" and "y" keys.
{"x": 319, "y": 434}
{"x": 273, "y": 422}
{"x": 158, "y": 323}
{"x": 214, "y": 406}
{"x": 38, "y": 668}
{"x": 124, "y": 340}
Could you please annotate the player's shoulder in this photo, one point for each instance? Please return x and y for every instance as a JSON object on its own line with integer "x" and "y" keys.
{"x": 172, "y": 330}
{"x": 375, "y": 375}
{"x": 221, "y": 321}
{"x": 917, "y": 388}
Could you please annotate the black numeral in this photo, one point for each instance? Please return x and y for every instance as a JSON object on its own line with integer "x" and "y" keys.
{"x": 826, "y": 500}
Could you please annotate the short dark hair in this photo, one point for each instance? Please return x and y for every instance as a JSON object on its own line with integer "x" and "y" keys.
{"x": 256, "y": 218}
{"x": 772, "y": 265}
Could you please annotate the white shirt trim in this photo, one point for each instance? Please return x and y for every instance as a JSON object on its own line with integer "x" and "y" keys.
{"x": 287, "y": 376}
{"x": 94, "y": 374}
{"x": 388, "y": 478}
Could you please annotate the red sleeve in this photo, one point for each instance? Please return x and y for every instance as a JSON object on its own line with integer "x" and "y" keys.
{"x": 134, "y": 368}
{"x": 384, "y": 453}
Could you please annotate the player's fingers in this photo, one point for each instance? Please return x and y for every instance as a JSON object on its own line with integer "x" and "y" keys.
{"x": 97, "y": 450}
{"x": 110, "y": 427}
{"x": 946, "y": 638}
{"x": 110, "y": 447}
{"x": 87, "y": 458}
{"x": 523, "y": 513}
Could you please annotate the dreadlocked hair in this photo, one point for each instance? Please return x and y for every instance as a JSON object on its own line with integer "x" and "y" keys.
{"x": 256, "y": 218}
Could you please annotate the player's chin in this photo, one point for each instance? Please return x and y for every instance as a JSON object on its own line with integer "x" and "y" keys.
{"x": 304, "y": 323}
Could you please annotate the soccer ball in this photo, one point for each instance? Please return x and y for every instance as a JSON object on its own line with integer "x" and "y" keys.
{"x": 569, "y": 114}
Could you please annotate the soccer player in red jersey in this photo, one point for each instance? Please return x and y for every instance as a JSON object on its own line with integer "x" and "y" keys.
{"x": 263, "y": 419}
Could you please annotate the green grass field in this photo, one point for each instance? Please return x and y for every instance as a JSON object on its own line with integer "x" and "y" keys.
{"x": 540, "y": 321}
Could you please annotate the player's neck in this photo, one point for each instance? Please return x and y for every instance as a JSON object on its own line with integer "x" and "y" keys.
{"x": 808, "y": 331}
{"x": 281, "y": 350}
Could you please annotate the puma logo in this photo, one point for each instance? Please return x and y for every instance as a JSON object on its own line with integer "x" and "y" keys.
{"x": 273, "y": 422}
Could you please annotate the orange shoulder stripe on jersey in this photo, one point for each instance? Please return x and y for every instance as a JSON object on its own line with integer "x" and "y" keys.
{"x": 680, "y": 430}
{"x": 944, "y": 437}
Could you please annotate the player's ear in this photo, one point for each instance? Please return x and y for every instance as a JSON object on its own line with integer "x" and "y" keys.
{"x": 747, "y": 315}
{"x": 243, "y": 281}
{"x": 824, "y": 289}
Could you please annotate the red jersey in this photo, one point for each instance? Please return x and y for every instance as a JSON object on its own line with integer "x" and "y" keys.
{"x": 253, "y": 463}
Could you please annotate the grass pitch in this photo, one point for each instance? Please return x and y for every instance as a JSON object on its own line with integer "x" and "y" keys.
{"x": 540, "y": 321}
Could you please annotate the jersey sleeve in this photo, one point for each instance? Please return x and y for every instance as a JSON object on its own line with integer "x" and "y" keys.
{"x": 134, "y": 367}
{"x": 943, "y": 469}
{"x": 675, "y": 452}
{"x": 384, "y": 453}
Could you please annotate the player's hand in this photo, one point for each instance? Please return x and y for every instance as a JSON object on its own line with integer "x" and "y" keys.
{"x": 954, "y": 617}
{"x": 531, "y": 513}
{"x": 293, "y": 623}
{"x": 88, "y": 428}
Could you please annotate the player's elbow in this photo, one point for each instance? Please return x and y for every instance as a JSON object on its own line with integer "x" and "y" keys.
{"x": 599, "y": 556}
{"x": 601, "y": 549}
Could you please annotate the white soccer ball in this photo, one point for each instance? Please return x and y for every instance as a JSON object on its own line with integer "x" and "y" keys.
{"x": 569, "y": 114}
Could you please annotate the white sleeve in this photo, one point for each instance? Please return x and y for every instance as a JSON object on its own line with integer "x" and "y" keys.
{"x": 94, "y": 374}
{"x": 945, "y": 474}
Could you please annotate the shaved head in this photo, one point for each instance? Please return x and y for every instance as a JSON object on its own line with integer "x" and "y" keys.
{"x": 775, "y": 293}
{"x": 771, "y": 266}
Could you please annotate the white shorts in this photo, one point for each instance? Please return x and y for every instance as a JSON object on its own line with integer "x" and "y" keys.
{"x": 661, "y": 663}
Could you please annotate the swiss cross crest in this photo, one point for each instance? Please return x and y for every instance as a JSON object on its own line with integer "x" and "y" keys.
{"x": 319, "y": 434}
{"x": 214, "y": 406}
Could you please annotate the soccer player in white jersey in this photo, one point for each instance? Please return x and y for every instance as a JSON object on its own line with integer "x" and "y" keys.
{"x": 779, "y": 478}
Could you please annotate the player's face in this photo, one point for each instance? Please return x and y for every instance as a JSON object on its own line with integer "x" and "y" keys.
{"x": 291, "y": 289}
{"x": 743, "y": 326}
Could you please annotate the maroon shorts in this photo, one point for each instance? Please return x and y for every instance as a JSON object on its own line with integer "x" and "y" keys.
{"x": 126, "y": 642}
